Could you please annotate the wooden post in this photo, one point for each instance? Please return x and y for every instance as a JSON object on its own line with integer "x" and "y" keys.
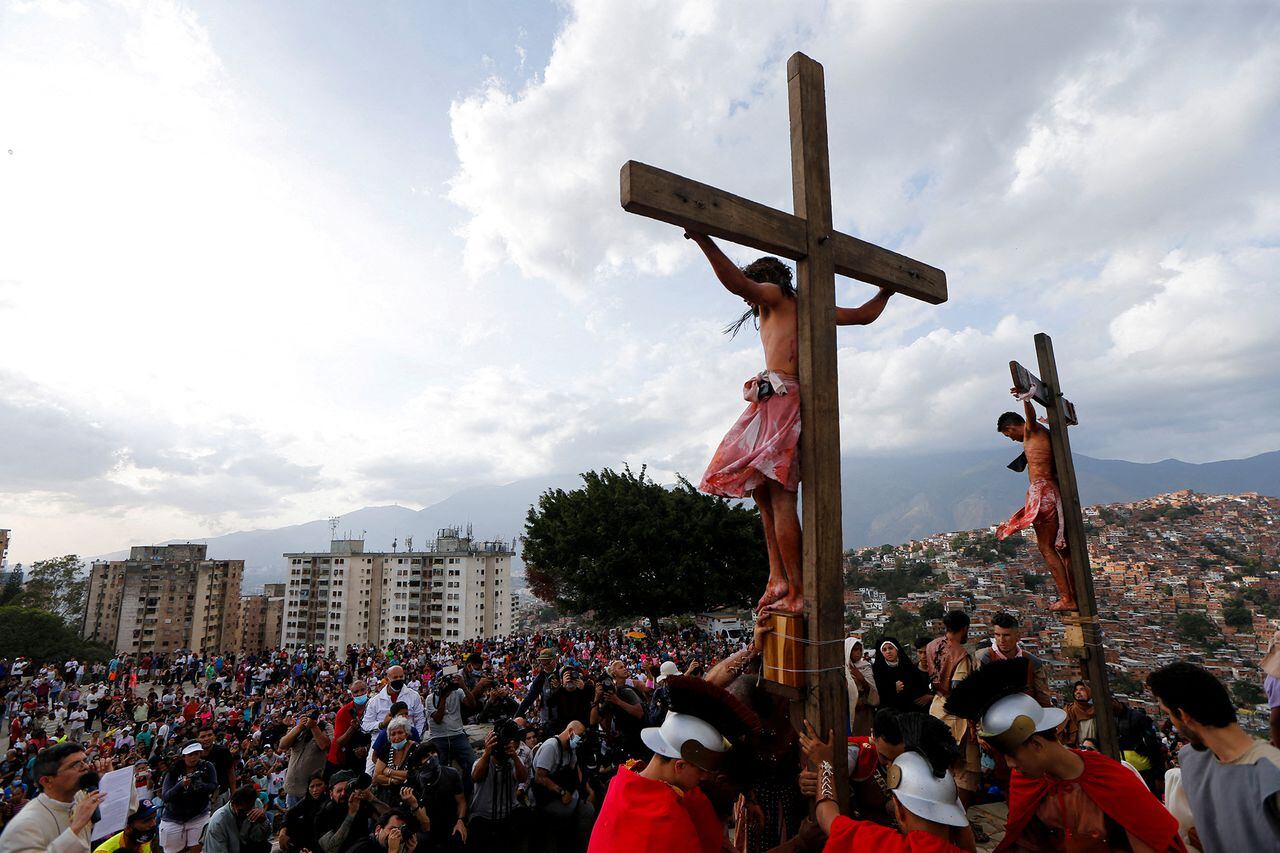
{"x": 827, "y": 702}
{"x": 1094, "y": 662}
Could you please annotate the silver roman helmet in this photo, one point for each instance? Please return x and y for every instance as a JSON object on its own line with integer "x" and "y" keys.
{"x": 1010, "y": 721}
{"x": 685, "y": 736}
{"x": 933, "y": 798}
{"x": 994, "y": 696}
{"x": 702, "y": 725}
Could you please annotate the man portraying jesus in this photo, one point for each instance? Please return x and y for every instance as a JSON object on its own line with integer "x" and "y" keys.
{"x": 758, "y": 456}
{"x": 1043, "y": 509}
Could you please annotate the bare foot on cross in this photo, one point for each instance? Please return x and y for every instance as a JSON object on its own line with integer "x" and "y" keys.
{"x": 1064, "y": 605}
{"x": 774, "y": 592}
{"x": 792, "y": 604}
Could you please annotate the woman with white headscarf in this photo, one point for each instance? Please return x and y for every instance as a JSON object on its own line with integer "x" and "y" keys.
{"x": 861, "y": 683}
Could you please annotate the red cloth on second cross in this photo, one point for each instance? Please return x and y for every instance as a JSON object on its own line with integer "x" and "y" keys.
{"x": 1044, "y": 502}
{"x": 854, "y": 836}
{"x": 1116, "y": 790}
{"x": 642, "y": 815}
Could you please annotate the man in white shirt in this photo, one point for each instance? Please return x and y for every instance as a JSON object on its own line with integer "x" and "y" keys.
{"x": 55, "y": 822}
{"x": 76, "y": 722}
{"x": 378, "y": 709}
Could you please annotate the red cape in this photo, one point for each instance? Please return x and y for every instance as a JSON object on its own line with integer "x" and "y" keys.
{"x": 849, "y": 835}
{"x": 1115, "y": 789}
{"x": 641, "y": 815}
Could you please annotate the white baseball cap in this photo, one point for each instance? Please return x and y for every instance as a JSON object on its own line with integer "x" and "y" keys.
{"x": 192, "y": 748}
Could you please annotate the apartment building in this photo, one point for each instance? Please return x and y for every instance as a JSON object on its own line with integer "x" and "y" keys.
{"x": 262, "y": 620}
{"x": 458, "y": 589}
{"x": 164, "y": 598}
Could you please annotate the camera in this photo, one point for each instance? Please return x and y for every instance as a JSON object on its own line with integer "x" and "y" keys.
{"x": 507, "y": 732}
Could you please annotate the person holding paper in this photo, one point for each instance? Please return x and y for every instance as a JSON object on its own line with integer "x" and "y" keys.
{"x": 61, "y": 818}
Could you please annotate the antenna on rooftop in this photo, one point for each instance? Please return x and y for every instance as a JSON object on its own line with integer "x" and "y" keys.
{"x": 408, "y": 544}
{"x": 393, "y": 545}
{"x": 333, "y": 526}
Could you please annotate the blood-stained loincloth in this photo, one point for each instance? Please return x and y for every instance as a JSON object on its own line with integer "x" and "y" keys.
{"x": 762, "y": 445}
{"x": 1044, "y": 503}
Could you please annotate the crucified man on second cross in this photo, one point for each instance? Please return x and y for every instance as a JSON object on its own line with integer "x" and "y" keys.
{"x": 759, "y": 455}
{"x": 1043, "y": 508}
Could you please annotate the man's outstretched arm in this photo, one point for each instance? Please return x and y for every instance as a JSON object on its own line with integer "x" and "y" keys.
{"x": 733, "y": 278}
{"x": 866, "y": 313}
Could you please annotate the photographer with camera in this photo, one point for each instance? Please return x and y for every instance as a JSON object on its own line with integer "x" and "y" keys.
{"x": 344, "y": 819}
{"x": 444, "y": 723}
{"x": 308, "y": 743}
{"x": 56, "y": 821}
{"x": 618, "y": 710}
{"x": 571, "y": 700}
{"x": 498, "y": 818}
{"x": 394, "y": 834}
{"x": 542, "y": 686}
{"x": 478, "y": 679}
{"x": 187, "y": 793}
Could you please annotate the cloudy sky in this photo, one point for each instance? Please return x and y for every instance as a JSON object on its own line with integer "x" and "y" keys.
{"x": 263, "y": 263}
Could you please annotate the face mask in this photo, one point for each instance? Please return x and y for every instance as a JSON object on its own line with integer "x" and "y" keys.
{"x": 575, "y": 741}
{"x": 397, "y": 685}
{"x": 142, "y": 836}
{"x": 430, "y": 769}
{"x": 360, "y": 700}
{"x": 401, "y": 745}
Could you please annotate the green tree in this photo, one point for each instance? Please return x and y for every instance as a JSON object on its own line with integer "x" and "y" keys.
{"x": 1194, "y": 626}
{"x": 625, "y": 546}
{"x": 932, "y": 610}
{"x": 1247, "y": 693}
{"x": 58, "y": 586}
{"x": 904, "y": 625}
{"x": 1123, "y": 681}
{"x": 1237, "y": 614}
{"x": 43, "y": 637}
{"x": 12, "y": 587}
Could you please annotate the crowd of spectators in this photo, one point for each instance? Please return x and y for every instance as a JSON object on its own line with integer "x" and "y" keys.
{"x": 506, "y": 744}
{"x": 489, "y": 745}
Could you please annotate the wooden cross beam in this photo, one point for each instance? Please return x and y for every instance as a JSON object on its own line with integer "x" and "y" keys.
{"x": 1084, "y": 634}
{"x": 807, "y": 237}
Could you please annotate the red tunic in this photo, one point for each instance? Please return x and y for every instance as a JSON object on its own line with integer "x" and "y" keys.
{"x": 642, "y": 815}
{"x": 851, "y": 836}
{"x": 1112, "y": 787}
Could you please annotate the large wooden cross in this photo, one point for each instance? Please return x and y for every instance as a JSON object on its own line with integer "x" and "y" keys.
{"x": 1084, "y": 634}
{"x": 806, "y": 237}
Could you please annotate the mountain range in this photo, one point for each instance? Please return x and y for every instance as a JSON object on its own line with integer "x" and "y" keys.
{"x": 886, "y": 500}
